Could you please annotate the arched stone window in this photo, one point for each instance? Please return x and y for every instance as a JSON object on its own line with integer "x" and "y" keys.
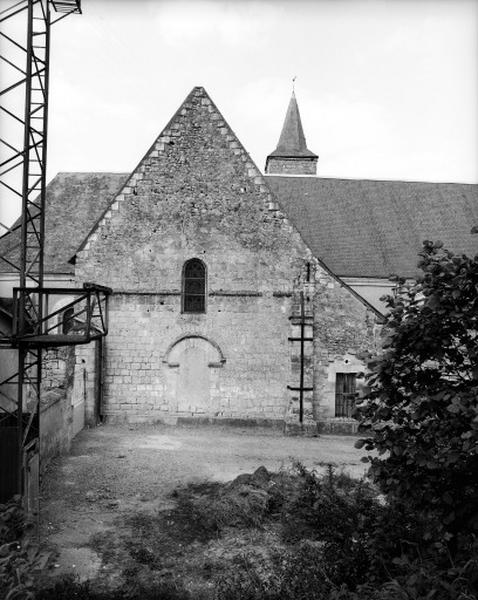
{"x": 194, "y": 286}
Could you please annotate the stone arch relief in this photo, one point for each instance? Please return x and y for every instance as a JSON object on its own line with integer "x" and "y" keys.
{"x": 193, "y": 364}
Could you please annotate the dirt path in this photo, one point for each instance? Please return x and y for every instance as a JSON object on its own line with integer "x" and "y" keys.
{"x": 116, "y": 471}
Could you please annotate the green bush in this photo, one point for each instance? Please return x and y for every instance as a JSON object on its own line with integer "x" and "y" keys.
{"x": 340, "y": 513}
{"x": 345, "y": 544}
{"x": 20, "y": 560}
{"x": 294, "y": 574}
{"x": 421, "y": 414}
{"x": 12, "y": 521}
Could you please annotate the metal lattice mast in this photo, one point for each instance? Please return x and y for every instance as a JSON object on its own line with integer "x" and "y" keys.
{"x": 25, "y": 38}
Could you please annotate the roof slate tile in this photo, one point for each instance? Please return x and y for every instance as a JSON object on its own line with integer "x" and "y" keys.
{"x": 74, "y": 202}
{"x": 365, "y": 228}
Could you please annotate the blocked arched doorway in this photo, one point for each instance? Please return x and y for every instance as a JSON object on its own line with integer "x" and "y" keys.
{"x": 192, "y": 375}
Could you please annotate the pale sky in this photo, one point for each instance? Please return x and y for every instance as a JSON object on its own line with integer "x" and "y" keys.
{"x": 387, "y": 89}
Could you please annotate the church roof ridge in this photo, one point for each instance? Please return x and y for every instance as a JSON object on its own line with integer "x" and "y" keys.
{"x": 369, "y": 179}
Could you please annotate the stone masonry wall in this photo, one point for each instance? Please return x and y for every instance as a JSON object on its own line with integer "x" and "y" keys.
{"x": 250, "y": 332}
{"x": 291, "y": 166}
{"x": 198, "y": 194}
{"x": 346, "y": 333}
{"x": 83, "y": 401}
{"x": 56, "y": 410}
{"x": 68, "y": 397}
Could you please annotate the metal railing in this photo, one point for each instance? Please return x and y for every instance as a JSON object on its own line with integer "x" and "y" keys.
{"x": 86, "y": 316}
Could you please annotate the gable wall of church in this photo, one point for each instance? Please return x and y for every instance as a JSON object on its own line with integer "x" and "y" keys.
{"x": 197, "y": 194}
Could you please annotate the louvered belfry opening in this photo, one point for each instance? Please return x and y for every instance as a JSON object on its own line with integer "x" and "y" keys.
{"x": 194, "y": 286}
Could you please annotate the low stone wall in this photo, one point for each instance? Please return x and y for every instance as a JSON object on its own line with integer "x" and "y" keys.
{"x": 55, "y": 408}
{"x": 68, "y": 398}
{"x": 339, "y": 426}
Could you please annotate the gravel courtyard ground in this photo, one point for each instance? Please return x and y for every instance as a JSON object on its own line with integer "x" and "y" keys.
{"x": 115, "y": 471}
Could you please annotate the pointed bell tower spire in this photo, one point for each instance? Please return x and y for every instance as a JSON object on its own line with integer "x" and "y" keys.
{"x": 292, "y": 157}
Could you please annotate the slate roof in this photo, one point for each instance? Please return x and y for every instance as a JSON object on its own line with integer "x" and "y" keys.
{"x": 292, "y": 142}
{"x": 362, "y": 228}
{"x": 358, "y": 228}
{"x": 74, "y": 203}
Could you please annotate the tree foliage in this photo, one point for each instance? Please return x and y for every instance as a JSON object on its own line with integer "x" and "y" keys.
{"x": 421, "y": 413}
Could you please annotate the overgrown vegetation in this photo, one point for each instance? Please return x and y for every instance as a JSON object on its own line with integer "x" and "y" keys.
{"x": 275, "y": 536}
{"x": 421, "y": 415}
{"x": 20, "y": 561}
{"x": 422, "y": 411}
{"x": 70, "y": 589}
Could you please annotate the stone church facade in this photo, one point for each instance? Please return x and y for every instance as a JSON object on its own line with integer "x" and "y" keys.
{"x": 237, "y": 296}
{"x": 220, "y": 310}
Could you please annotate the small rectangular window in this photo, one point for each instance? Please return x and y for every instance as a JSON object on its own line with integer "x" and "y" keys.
{"x": 345, "y": 394}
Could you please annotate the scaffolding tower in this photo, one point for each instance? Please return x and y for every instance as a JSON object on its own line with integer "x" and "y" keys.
{"x": 25, "y": 55}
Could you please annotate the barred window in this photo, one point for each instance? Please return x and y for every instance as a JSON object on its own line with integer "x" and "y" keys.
{"x": 194, "y": 286}
{"x": 345, "y": 394}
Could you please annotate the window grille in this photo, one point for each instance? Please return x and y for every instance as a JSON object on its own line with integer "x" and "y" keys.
{"x": 345, "y": 394}
{"x": 194, "y": 286}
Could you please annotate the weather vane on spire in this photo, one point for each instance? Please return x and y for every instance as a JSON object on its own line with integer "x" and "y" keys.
{"x": 293, "y": 83}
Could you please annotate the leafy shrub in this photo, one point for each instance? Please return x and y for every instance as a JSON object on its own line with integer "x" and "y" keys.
{"x": 294, "y": 574}
{"x": 341, "y": 513}
{"x": 421, "y": 414}
{"x": 12, "y": 521}
{"x": 421, "y": 580}
{"x": 19, "y": 560}
{"x": 346, "y": 545}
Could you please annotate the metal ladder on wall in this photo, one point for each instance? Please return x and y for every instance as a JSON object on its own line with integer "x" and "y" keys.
{"x": 303, "y": 320}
